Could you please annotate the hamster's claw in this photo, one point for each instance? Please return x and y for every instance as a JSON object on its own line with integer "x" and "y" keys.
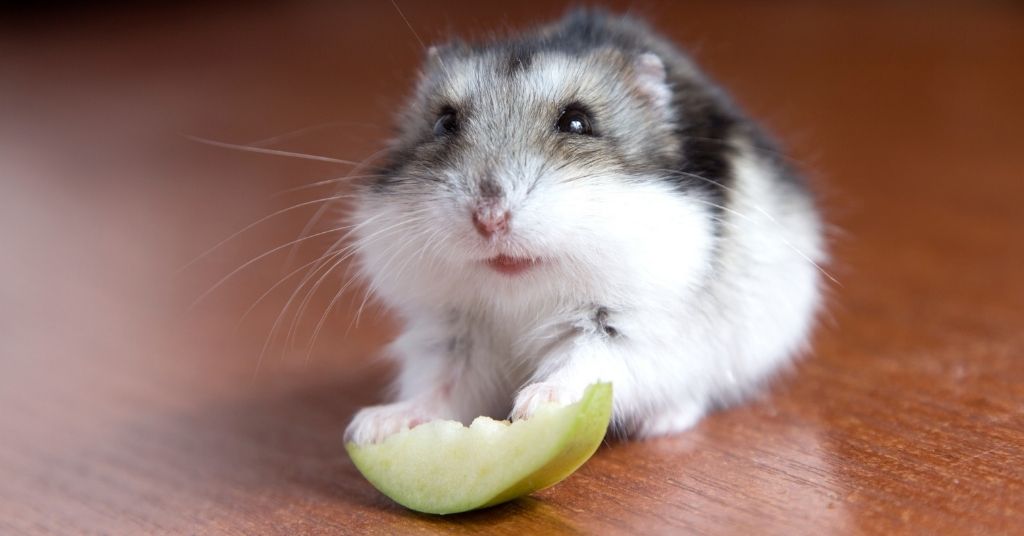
{"x": 535, "y": 395}
{"x": 375, "y": 423}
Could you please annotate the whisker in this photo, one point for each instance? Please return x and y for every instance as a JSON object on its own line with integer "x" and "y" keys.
{"x": 417, "y": 36}
{"x": 371, "y": 288}
{"x": 271, "y": 335}
{"x": 327, "y": 259}
{"x": 254, "y": 224}
{"x": 351, "y": 250}
{"x": 319, "y": 212}
{"x": 324, "y": 182}
{"x": 256, "y": 259}
{"x": 275, "y": 152}
{"x": 271, "y": 289}
{"x": 305, "y": 231}
{"x": 323, "y": 318}
{"x": 300, "y": 311}
{"x": 349, "y": 280}
{"x": 409, "y": 25}
{"x": 414, "y": 256}
{"x": 305, "y": 130}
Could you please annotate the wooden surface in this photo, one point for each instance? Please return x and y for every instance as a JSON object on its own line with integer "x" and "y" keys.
{"x": 122, "y": 411}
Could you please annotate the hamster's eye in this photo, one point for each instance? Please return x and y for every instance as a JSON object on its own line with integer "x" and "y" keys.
{"x": 574, "y": 121}
{"x": 447, "y": 122}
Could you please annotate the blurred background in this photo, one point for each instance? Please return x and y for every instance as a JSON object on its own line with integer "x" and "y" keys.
{"x": 125, "y": 406}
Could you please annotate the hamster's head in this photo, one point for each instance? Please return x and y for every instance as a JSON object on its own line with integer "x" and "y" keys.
{"x": 530, "y": 166}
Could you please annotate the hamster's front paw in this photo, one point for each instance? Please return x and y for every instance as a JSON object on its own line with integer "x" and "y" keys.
{"x": 537, "y": 394}
{"x": 373, "y": 424}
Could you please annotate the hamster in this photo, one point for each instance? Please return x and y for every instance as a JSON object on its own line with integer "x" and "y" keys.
{"x": 579, "y": 203}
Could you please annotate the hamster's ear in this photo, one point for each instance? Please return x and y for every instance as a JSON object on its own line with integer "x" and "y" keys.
{"x": 434, "y": 60}
{"x": 452, "y": 48}
{"x": 652, "y": 81}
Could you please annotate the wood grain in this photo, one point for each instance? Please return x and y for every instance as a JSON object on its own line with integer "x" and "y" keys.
{"x": 123, "y": 411}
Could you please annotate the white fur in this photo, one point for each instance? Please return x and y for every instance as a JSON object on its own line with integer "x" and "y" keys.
{"x": 695, "y": 328}
{"x": 698, "y": 321}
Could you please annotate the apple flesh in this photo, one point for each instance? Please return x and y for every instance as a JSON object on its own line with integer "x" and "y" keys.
{"x": 444, "y": 467}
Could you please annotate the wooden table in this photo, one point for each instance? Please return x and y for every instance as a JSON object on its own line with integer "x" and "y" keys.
{"x": 123, "y": 411}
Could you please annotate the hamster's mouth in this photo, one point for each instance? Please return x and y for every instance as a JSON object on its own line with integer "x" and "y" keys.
{"x": 508, "y": 265}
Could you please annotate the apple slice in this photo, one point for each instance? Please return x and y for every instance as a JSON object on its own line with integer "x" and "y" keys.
{"x": 443, "y": 467}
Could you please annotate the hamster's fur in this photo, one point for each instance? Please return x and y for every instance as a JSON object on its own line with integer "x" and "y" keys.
{"x": 652, "y": 239}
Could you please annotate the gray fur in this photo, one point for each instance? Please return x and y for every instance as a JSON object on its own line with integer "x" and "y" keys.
{"x": 669, "y": 252}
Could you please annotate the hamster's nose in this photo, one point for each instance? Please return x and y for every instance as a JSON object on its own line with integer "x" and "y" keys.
{"x": 490, "y": 221}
